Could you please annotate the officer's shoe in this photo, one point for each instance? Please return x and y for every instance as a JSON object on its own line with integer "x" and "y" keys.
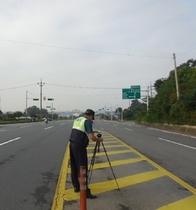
{"x": 76, "y": 189}
{"x": 89, "y": 195}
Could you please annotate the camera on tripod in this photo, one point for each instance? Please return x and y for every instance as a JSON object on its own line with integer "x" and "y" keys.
{"x": 96, "y": 149}
{"x": 99, "y": 135}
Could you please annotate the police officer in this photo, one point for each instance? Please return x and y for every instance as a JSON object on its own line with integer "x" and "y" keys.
{"x": 81, "y": 132}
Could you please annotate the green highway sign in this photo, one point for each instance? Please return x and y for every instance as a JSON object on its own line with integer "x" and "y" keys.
{"x": 135, "y": 88}
{"x": 137, "y": 91}
{"x": 131, "y": 93}
{"x": 127, "y": 93}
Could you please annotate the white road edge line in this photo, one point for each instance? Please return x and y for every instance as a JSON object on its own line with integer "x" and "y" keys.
{"x": 48, "y": 127}
{"x": 165, "y": 131}
{"x": 128, "y": 129}
{"x": 6, "y": 142}
{"x": 173, "y": 142}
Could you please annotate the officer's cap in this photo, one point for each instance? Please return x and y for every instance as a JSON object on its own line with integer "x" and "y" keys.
{"x": 90, "y": 112}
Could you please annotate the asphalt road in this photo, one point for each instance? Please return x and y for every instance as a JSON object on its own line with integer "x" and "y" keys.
{"x": 174, "y": 152}
{"x": 31, "y": 156}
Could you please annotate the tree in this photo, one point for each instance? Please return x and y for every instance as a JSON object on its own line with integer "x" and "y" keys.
{"x": 132, "y": 112}
{"x": 17, "y": 114}
{"x": 1, "y": 113}
{"x": 165, "y": 107}
{"x": 118, "y": 112}
{"x": 35, "y": 111}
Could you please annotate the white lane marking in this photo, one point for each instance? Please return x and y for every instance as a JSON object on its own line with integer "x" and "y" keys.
{"x": 181, "y": 134}
{"x": 25, "y": 126}
{"x": 63, "y": 124}
{"x": 173, "y": 142}
{"x": 128, "y": 129}
{"x": 2, "y": 130}
{"x": 48, "y": 127}
{"x": 9, "y": 141}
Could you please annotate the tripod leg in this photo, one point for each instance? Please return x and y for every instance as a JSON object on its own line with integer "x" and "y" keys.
{"x": 110, "y": 166}
{"x": 92, "y": 164}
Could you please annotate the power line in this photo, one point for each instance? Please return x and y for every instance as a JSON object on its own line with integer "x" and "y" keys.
{"x": 17, "y": 87}
{"x": 84, "y": 50}
{"x": 189, "y": 49}
{"x": 69, "y": 86}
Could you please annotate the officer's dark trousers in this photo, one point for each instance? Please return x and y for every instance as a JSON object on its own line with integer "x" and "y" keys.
{"x": 78, "y": 157}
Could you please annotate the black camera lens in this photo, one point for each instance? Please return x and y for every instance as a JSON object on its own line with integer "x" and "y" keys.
{"x": 99, "y": 135}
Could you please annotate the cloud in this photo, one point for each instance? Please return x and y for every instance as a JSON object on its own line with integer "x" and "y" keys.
{"x": 92, "y": 44}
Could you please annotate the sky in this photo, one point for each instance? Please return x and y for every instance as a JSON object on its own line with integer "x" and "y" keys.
{"x": 83, "y": 53}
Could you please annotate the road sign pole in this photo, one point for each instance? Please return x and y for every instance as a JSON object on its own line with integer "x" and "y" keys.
{"x": 122, "y": 111}
{"x": 52, "y": 111}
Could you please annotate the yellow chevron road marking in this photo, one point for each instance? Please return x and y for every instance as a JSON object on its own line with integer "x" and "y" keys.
{"x": 110, "y": 141}
{"x": 111, "y": 152}
{"x": 111, "y": 146}
{"x": 105, "y": 142}
{"x": 188, "y": 203}
{"x": 175, "y": 178}
{"x": 106, "y": 186}
{"x": 114, "y": 163}
{"x": 117, "y": 162}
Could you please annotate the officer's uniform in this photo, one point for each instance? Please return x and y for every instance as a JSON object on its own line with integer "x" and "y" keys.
{"x": 78, "y": 143}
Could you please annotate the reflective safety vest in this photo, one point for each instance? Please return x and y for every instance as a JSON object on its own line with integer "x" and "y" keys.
{"x": 78, "y": 134}
{"x": 79, "y": 124}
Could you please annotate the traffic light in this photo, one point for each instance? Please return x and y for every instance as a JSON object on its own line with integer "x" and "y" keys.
{"x": 50, "y": 99}
{"x": 36, "y": 99}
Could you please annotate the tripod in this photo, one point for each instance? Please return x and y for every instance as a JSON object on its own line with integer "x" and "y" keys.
{"x": 97, "y": 149}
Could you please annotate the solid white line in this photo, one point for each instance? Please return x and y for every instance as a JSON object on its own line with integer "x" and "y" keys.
{"x": 6, "y": 142}
{"x": 48, "y": 127}
{"x": 181, "y": 134}
{"x": 128, "y": 129}
{"x": 173, "y": 142}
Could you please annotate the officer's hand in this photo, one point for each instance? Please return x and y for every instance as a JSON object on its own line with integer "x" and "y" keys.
{"x": 101, "y": 139}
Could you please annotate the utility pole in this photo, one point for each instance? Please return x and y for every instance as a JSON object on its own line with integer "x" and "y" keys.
{"x": 147, "y": 99}
{"x": 111, "y": 113}
{"x": 150, "y": 89}
{"x": 26, "y": 102}
{"x": 176, "y": 76}
{"x": 41, "y": 85}
{"x": 52, "y": 112}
